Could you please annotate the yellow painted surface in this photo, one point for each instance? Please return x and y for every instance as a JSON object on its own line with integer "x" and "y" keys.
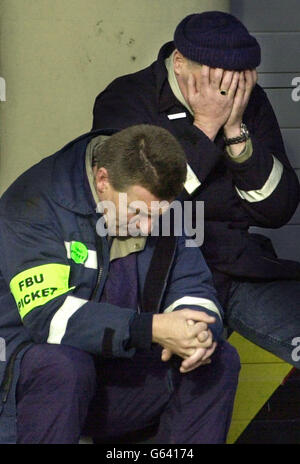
{"x": 261, "y": 374}
{"x": 251, "y": 353}
{"x": 57, "y": 55}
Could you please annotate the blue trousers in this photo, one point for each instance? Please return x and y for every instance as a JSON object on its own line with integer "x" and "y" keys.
{"x": 268, "y": 314}
{"x": 64, "y": 392}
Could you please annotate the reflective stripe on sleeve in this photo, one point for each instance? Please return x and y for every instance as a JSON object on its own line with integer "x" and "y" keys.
{"x": 253, "y": 196}
{"x": 60, "y": 319}
{"x": 38, "y": 285}
{"x": 191, "y": 300}
{"x": 191, "y": 182}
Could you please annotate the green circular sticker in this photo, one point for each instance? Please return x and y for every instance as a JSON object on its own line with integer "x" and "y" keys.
{"x": 79, "y": 252}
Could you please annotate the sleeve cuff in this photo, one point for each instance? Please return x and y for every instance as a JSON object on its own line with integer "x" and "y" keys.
{"x": 244, "y": 155}
{"x": 141, "y": 332}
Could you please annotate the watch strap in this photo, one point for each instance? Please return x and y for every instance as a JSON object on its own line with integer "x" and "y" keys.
{"x": 244, "y": 135}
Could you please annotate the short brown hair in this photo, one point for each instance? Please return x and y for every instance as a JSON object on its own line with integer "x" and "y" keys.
{"x": 144, "y": 155}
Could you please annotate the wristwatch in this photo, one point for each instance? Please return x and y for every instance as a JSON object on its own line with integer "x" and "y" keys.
{"x": 244, "y": 135}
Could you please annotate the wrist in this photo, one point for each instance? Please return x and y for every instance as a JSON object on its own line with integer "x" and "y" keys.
{"x": 156, "y": 328}
{"x": 237, "y": 141}
{"x": 232, "y": 131}
{"x": 209, "y": 130}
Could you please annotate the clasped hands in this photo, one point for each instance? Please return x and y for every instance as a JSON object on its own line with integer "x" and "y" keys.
{"x": 185, "y": 333}
{"x": 212, "y": 110}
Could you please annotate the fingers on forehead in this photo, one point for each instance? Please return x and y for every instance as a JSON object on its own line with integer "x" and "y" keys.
{"x": 218, "y": 72}
{"x": 227, "y": 78}
{"x": 205, "y": 70}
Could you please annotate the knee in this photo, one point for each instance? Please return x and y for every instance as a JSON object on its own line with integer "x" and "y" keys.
{"x": 76, "y": 367}
{"x": 221, "y": 375}
{"x": 229, "y": 363}
{"x": 230, "y": 356}
{"x": 61, "y": 366}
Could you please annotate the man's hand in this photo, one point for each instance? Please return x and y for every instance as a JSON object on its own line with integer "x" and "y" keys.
{"x": 200, "y": 357}
{"x": 247, "y": 80}
{"x": 178, "y": 335}
{"x": 211, "y": 109}
{"x": 232, "y": 128}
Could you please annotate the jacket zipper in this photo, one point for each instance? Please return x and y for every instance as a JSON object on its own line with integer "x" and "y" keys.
{"x": 97, "y": 283}
{"x": 99, "y": 251}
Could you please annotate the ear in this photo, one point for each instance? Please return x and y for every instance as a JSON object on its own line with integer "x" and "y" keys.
{"x": 178, "y": 62}
{"x": 101, "y": 180}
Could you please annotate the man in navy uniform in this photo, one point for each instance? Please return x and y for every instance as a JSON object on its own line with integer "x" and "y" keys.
{"x": 108, "y": 331}
{"x": 202, "y": 88}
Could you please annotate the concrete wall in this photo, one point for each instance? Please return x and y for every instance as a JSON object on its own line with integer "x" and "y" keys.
{"x": 55, "y": 57}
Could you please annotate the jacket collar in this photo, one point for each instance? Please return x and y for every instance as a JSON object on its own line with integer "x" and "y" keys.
{"x": 69, "y": 183}
{"x": 165, "y": 97}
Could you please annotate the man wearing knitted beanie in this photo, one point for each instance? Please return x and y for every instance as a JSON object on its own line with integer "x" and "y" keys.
{"x": 203, "y": 89}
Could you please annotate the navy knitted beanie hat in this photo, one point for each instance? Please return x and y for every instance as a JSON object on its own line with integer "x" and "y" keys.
{"x": 218, "y": 40}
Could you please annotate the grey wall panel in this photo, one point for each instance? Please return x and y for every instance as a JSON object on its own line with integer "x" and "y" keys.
{"x": 267, "y": 15}
{"x": 286, "y": 240}
{"x": 286, "y": 109}
{"x": 274, "y": 80}
{"x": 280, "y": 52}
{"x": 291, "y": 138}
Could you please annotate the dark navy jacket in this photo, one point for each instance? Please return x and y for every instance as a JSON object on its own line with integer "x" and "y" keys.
{"x": 230, "y": 250}
{"x": 48, "y": 294}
